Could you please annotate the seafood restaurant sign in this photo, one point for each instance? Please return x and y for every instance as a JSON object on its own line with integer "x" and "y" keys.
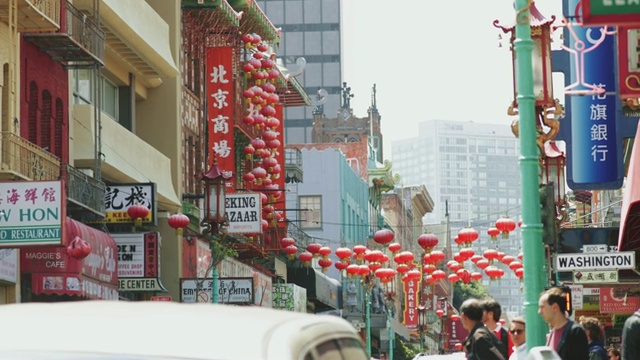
{"x": 31, "y": 213}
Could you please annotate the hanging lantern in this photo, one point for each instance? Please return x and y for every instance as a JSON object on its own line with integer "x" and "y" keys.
{"x": 491, "y": 254}
{"x": 353, "y": 270}
{"x": 439, "y": 313}
{"x": 383, "y": 237}
{"x": 475, "y": 258}
{"x": 507, "y": 259}
{"x": 291, "y": 251}
{"x": 467, "y": 253}
{"x": 493, "y": 232}
{"x": 482, "y": 264}
{"x": 468, "y": 235}
{"x": 341, "y": 266}
{"x": 178, "y": 222}
{"x": 519, "y": 273}
{"x": 439, "y": 275}
{"x": 324, "y": 251}
{"x": 138, "y": 212}
{"x": 305, "y": 258}
{"x": 394, "y": 248}
{"x": 287, "y": 241}
{"x": 505, "y": 225}
{"x": 458, "y": 346}
{"x": 343, "y": 254}
{"x": 325, "y": 264}
{"x": 314, "y": 249}
{"x": 427, "y": 241}
{"x": 515, "y": 265}
{"x": 437, "y": 256}
{"x": 78, "y": 249}
{"x": 358, "y": 252}
{"x": 455, "y": 317}
{"x": 477, "y": 276}
{"x": 453, "y": 278}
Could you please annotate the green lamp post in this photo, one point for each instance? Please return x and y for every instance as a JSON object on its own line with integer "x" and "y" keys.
{"x": 533, "y": 93}
{"x": 215, "y": 215}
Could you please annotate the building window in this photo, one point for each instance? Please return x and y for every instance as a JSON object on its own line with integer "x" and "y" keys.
{"x": 311, "y": 212}
{"x": 110, "y": 98}
{"x": 82, "y": 93}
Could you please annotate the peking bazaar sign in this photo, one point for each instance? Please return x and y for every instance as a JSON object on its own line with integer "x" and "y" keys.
{"x": 411, "y": 291}
{"x": 220, "y": 106}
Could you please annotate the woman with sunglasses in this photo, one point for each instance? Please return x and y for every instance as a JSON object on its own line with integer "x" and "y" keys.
{"x": 516, "y": 329}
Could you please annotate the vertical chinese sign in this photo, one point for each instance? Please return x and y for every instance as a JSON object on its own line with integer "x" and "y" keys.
{"x": 411, "y": 291}
{"x": 594, "y": 161}
{"x": 220, "y": 109}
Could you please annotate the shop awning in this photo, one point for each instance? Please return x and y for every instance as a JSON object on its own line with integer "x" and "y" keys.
{"x": 629, "y": 236}
{"x": 53, "y": 272}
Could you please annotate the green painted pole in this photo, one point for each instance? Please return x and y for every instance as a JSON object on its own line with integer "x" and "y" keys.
{"x": 532, "y": 247}
{"x": 367, "y": 319}
{"x": 392, "y": 333}
{"x": 214, "y": 285}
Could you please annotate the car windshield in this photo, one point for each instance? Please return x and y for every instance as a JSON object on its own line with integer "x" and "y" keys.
{"x": 68, "y": 355}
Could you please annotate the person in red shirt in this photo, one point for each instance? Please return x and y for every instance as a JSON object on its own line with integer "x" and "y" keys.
{"x": 491, "y": 319}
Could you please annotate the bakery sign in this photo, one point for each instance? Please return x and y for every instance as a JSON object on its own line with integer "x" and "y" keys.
{"x": 139, "y": 262}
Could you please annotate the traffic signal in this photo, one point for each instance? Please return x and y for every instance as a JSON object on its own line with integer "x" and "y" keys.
{"x": 548, "y": 215}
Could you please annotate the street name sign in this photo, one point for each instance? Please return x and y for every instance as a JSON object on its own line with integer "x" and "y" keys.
{"x": 596, "y": 261}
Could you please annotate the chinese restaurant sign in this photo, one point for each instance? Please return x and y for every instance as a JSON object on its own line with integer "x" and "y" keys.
{"x": 120, "y": 197}
{"x": 593, "y": 160}
{"x": 31, "y": 213}
{"x": 611, "y": 12}
{"x": 220, "y": 106}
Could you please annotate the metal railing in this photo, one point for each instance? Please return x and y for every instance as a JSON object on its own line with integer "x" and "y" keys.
{"x": 49, "y": 8}
{"x": 85, "y": 190}
{"x": 27, "y": 160}
{"x": 82, "y": 28}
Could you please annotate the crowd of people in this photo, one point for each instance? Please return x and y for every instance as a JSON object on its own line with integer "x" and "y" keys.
{"x": 582, "y": 340}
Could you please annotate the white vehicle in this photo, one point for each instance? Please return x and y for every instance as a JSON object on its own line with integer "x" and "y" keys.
{"x": 150, "y": 330}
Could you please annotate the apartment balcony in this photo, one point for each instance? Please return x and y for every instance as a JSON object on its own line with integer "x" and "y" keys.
{"x": 293, "y": 165}
{"x": 141, "y": 47}
{"x": 31, "y": 15}
{"x": 79, "y": 42}
{"x": 23, "y": 160}
{"x": 84, "y": 192}
{"x": 125, "y": 157}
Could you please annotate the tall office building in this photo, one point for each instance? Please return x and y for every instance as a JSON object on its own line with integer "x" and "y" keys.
{"x": 310, "y": 31}
{"x": 471, "y": 170}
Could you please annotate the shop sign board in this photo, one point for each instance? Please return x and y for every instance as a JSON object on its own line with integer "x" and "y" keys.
{"x": 32, "y": 213}
{"x": 596, "y": 261}
{"x": 595, "y": 277}
{"x": 611, "y": 12}
{"x": 244, "y": 212}
{"x": 576, "y": 296}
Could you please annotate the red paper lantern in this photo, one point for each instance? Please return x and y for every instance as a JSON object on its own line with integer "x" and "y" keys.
{"x": 358, "y": 252}
{"x": 468, "y": 235}
{"x": 493, "y": 232}
{"x": 394, "y": 247}
{"x": 505, "y": 225}
{"x": 78, "y": 249}
{"x": 427, "y": 241}
{"x": 507, "y": 259}
{"x": 343, "y": 254}
{"x": 314, "y": 249}
{"x": 325, "y": 264}
{"x": 455, "y": 317}
{"x": 467, "y": 253}
{"x": 458, "y": 346}
{"x": 353, "y": 270}
{"x": 476, "y": 275}
{"x": 324, "y": 251}
{"x": 515, "y": 265}
{"x": 437, "y": 256}
{"x": 291, "y": 251}
{"x": 482, "y": 264}
{"x": 383, "y": 237}
{"x": 305, "y": 257}
{"x": 178, "y": 222}
{"x": 287, "y": 241}
{"x": 137, "y": 212}
{"x": 439, "y": 313}
{"x": 439, "y": 275}
{"x": 341, "y": 265}
{"x": 453, "y": 278}
{"x": 519, "y": 273}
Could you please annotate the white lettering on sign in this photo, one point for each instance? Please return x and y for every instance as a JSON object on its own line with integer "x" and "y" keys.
{"x": 620, "y": 2}
{"x": 594, "y": 249}
{"x": 592, "y": 261}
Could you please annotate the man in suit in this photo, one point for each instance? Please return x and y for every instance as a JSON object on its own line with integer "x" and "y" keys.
{"x": 481, "y": 344}
{"x": 566, "y": 337}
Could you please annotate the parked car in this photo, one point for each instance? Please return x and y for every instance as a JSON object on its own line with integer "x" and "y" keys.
{"x": 92, "y": 330}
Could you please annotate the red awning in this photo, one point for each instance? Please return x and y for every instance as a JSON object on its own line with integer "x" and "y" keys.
{"x": 55, "y": 273}
{"x": 72, "y": 285}
{"x": 629, "y": 236}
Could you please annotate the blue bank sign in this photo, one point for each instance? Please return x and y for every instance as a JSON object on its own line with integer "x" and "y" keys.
{"x": 593, "y": 160}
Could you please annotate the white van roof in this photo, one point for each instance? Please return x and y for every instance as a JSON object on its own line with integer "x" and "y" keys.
{"x": 168, "y": 329}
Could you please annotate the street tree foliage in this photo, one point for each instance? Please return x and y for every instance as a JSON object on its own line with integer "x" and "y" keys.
{"x": 473, "y": 289}
{"x": 403, "y": 350}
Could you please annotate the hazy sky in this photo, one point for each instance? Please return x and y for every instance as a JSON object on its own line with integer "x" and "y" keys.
{"x": 430, "y": 59}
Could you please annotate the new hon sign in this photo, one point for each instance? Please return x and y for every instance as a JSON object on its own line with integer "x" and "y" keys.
{"x": 596, "y": 261}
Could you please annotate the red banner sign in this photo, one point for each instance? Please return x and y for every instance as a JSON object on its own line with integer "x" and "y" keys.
{"x": 615, "y": 300}
{"x": 411, "y": 291}
{"x": 220, "y": 106}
